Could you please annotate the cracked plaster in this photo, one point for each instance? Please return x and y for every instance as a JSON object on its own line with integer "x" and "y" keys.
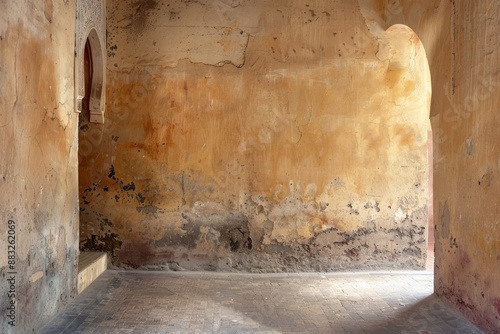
{"x": 255, "y": 141}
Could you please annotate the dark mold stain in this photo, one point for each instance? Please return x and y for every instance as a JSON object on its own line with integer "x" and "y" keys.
{"x": 105, "y": 222}
{"x": 453, "y": 242}
{"x": 352, "y": 253}
{"x": 140, "y": 198}
{"x": 128, "y": 187}
{"x": 111, "y": 173}
{"x": 149, "y": 210}
{"x": 413, "y": 251}
{"x": 239, "y": 239}
{"x": 369, "y": 205}
{"x": 84, "y": 127}
{"x": 108, "y": 242}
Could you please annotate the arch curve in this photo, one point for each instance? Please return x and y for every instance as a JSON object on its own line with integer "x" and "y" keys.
{"x": 97, "y": 101}
{"x": 402, "y": 49}
{"x": 90, "y": 26}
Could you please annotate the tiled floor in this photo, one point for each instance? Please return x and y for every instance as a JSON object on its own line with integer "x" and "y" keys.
{"x": 182, "y": 302}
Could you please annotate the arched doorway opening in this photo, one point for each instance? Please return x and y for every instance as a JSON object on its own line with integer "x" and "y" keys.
{"x": 84, "y": 117}
{"x": 90, "y": 102}
{"x": 409, "y": 90}
{"x": 91, "y": 80}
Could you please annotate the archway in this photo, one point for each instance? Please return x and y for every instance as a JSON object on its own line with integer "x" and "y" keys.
{"x": 91, "y": 82}
{"x": 91, "y": 104}
{"x": 410, "y": 80}
{"x": 387, "y": 18}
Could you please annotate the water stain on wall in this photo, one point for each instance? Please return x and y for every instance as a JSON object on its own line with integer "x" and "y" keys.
{"x": 289, "y": 161}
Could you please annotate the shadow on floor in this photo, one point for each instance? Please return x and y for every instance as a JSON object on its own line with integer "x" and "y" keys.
{"x": 165, "y": 302}
{"x": 430, "y": 315}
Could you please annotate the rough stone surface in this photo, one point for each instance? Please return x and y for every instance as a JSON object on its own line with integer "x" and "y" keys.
{"x": 38, "y": 164}
{"x": 258, "y": 136}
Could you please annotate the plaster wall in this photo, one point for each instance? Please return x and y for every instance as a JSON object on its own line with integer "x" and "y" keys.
{"x": 461, "y": 41}
{"x": 467, "y": 180}
{"x": 257, "y": 136}
{"x": 38, "y": 164}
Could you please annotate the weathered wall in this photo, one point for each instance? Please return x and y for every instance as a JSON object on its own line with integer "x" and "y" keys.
{"x": 258, "y": 135}
{"x": 38, "y": 165}
{"x": 461, "y": 40}
{"x": 467, "y": 180}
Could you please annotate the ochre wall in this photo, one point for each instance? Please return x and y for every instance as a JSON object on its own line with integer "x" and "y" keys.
{"x": 259, "y": 136}
{"x": 38, "y": 164}
{"x": 461, "y": 40}
{"x": 269, "y": 121}
{"x": 467, "y": 180}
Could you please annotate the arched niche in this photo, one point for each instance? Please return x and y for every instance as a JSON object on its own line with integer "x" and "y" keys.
{"x": 90, "y": 26}
{"x": 403, "y": 51}
{"x": 408, "y": 67}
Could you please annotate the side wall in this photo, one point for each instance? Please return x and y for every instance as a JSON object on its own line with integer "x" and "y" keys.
{"x": 38, "y": 164}
{"x": 467, "y": 168}
{"x": 260, "y": 136}
{"x": 461, "y": 39}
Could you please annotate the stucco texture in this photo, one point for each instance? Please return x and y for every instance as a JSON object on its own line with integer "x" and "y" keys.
{"x": 254, "y": 136}
{"x": 467, "y": 183}
{"x": 258, "y": 136}
{"x": 39, "y": 162}
{"x": 461, "y": 41}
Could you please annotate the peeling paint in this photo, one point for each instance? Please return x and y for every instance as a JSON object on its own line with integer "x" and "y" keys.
{"x": 274, "y": 164}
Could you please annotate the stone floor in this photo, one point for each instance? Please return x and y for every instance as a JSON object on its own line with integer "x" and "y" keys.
{"x": 185, "y": 302}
